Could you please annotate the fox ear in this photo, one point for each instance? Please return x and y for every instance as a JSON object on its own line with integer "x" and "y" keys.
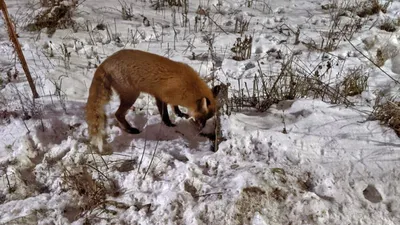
{"x": 215, "y": 90}
{"x": 203, "y": 103}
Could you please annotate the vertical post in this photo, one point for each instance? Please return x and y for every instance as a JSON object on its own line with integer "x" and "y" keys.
{"x": 17, "y": 46}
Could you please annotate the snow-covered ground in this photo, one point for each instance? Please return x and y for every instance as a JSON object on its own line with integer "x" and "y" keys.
{"x": 301, "y": 162}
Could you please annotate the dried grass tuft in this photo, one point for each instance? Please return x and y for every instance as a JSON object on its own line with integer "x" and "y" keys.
{"x": 93, "y": 192}
{"x": 57, "y": 16}
{"x": 369, "y": 8}
{"x": 388, "y": 114}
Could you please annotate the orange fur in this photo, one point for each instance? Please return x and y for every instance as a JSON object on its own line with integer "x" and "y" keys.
{"x": 130, "y": 72}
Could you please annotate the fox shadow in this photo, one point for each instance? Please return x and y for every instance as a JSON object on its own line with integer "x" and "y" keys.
{"x": 157, "y": 131}
{"x": 57, "y": 124}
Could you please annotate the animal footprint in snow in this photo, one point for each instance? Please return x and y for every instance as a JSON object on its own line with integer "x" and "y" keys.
{"x": 372, "y": 194}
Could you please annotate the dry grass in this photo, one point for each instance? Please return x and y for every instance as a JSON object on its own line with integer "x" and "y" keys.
{"x": 161, "y": 4}
{"x": 252, "y": 200}
{"x": 6, "y": 115}
{"x": 336, "y": 33}
{"x": 388, "y": 25}
{"x": 355, "y": 81}
{"x": 372, "y": 7}
{"x": 380, "y": 58}
{"x": 294, "y": 83}
{"x": 388, "y": 114}
{"x": 343, "y": 25}
{"x": 127, "y": 10}
{"x": 241, "y": 25}
{"x": 242, "y": 48}
{"x": 383, "y": 53}
{"x": 93, "y": 192}
{"x": 57, "y": 16}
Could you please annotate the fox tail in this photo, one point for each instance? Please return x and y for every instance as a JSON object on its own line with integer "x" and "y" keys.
{"x": 99, "y": 95}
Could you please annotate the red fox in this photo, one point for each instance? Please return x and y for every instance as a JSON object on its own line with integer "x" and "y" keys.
{"x": 130, "y": 72}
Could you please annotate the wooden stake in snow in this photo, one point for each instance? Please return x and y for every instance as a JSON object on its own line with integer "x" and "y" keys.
{"x": 17, "y": 46}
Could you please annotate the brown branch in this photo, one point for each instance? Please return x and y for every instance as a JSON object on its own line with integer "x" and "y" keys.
{"x": 17, "y": 46}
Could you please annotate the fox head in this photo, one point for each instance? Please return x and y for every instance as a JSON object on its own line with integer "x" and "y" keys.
{"x": 205, "y": 108}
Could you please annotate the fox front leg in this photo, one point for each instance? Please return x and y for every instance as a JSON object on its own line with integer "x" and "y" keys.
{"x": 125, "y": 104}
{"x": 179, "y": 113}
{"x": 162, "y": 108}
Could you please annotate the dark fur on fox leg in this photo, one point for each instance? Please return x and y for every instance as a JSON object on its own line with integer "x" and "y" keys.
{"x": 132, "y": 130}
{"x": 162, "y": 108}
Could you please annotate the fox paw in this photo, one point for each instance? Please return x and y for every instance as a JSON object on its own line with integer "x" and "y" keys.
{"x": 132, "y": 130}
{"x": 170, "y": 124}
{"x": 183, "y": 115}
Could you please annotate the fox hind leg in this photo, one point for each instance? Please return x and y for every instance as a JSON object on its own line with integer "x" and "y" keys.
{"x": 124, "y": 106}
{"x": 162, "y": 108}
{"x": 179, "y": 113}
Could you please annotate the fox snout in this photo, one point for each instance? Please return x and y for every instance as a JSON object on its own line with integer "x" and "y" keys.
{"x": 203, "y": 112}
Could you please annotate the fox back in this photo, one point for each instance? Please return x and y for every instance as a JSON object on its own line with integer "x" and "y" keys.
{"x": 175, "y": 83}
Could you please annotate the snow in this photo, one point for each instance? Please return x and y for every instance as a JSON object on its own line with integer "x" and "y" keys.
{"x": 332, "y": 165}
